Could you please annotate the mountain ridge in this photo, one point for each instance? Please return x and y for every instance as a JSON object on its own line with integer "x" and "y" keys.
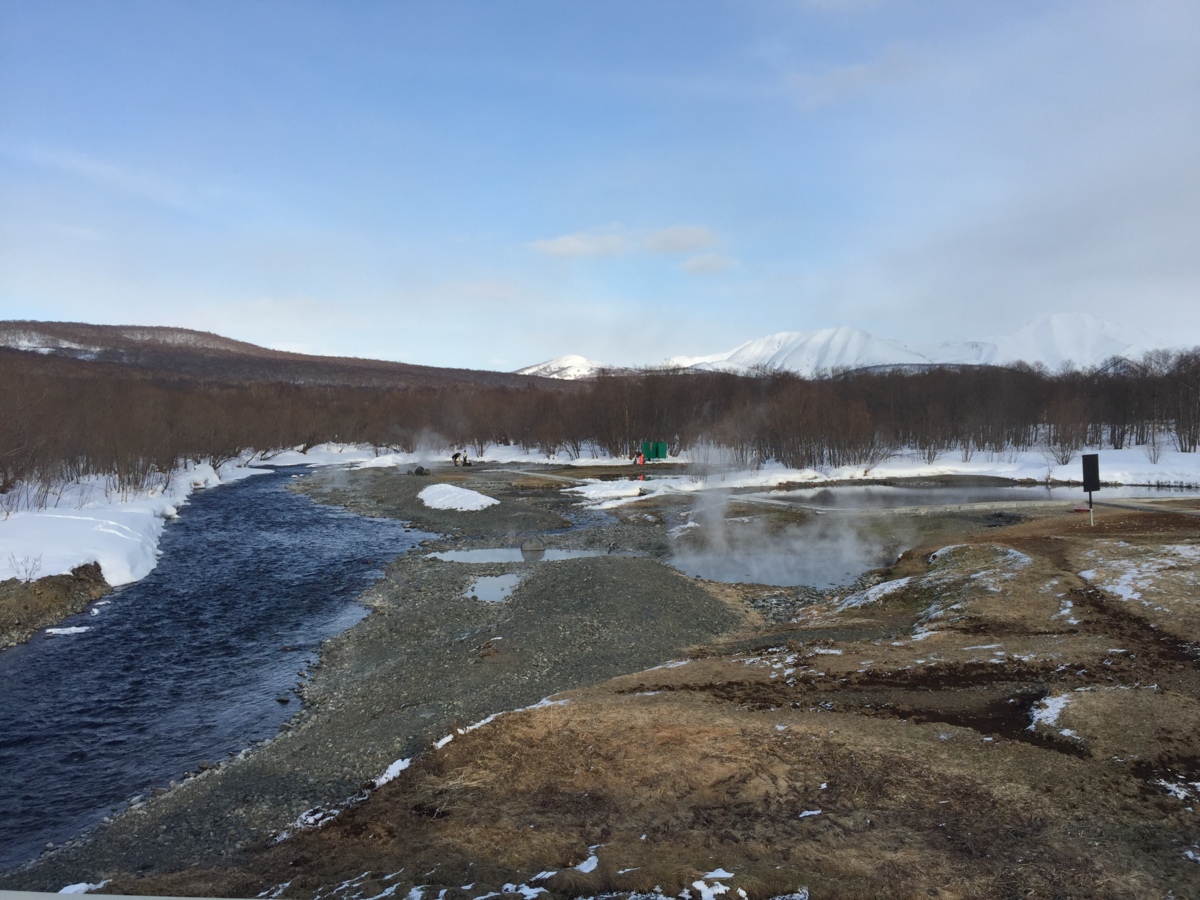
{"x": 183, "y": 352}
{"x": 1052, "y": 340}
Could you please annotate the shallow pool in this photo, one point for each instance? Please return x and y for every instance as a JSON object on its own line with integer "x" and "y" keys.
{"x": 887, "y": 496}
{"x": 493, "y": 588}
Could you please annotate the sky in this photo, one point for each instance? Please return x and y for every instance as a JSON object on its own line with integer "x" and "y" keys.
{"x": 492, "y": 184}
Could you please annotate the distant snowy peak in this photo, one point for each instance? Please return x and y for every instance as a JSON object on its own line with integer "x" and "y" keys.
{"x": 566, "y": 367}
{"x": 1077, "y": 337}
{"x": 808, "y": 352}
{"x": 1051, "y": 340}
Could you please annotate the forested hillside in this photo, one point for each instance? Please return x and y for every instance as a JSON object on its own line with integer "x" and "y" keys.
{"x": 62, "y": 418}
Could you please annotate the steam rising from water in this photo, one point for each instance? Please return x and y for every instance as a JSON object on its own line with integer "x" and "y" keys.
{"x": 824, "y": 551}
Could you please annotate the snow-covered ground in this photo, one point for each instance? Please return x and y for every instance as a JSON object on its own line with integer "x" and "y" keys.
{"x": 447, "y": 496}
{"x": 85, "y": 523}
{"x": 1125, "y": 467}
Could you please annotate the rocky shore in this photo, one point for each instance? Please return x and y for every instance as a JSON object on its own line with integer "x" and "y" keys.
{"x": 28, "y": 607}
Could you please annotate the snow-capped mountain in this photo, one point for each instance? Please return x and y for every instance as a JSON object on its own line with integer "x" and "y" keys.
{"x": 1052, "y": 340}
{"x": 1078, "y": 338}
{"x": 567, "y": 367}
{"x": 807, "y": 351}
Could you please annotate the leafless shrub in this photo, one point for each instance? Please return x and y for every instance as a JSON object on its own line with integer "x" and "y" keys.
{"x": 1153, "y": 447}
{"x": 25, "y": 567}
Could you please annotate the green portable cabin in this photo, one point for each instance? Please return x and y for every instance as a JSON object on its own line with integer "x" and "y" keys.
{"x": 654, "y": 449}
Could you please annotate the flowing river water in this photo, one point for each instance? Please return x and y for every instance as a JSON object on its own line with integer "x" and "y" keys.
{"x": 189, "y": 663}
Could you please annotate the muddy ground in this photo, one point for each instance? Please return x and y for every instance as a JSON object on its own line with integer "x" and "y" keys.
{"x": 980, "y": 719}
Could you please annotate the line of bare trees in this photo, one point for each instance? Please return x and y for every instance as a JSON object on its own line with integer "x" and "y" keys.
{"x": 61, "y": 419}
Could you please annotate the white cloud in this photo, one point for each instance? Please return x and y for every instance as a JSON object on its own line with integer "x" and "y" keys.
{"x": 707, "y": 264}
{"x": 583, "y": 243}
{"x": 679, "y": 239}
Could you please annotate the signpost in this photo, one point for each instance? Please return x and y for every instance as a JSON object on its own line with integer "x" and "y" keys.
{"x": 1091, "y": 480}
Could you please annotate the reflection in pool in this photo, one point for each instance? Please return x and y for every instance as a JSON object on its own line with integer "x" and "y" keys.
{"x": 493, "y": 588}
{"x": 887, "y": 496}
{"x": 822, "y": 553}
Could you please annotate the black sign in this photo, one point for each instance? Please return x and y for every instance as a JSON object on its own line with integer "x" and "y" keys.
{"x": 1091, "y": 472}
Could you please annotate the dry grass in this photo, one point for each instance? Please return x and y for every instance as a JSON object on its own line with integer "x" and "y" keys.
{"x": 534, "y": 483}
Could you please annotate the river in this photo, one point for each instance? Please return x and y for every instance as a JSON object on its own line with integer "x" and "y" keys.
{"x": 189, "y": 663}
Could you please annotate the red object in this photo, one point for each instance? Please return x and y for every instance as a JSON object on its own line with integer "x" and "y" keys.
{"x": 641, "y": 459}
{"x": 1082, "y": 509}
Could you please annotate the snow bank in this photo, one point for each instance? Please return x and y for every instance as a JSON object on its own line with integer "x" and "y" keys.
{"x": 1123, "y": 467}
{"x": 83, "y": 887}
{"x": 1129, "y": 466}
{"x": 366, "y": 456}
{"x": 447, "y": 496}
{"x": 88, "y": 523}
{"x": 607, "y": 494}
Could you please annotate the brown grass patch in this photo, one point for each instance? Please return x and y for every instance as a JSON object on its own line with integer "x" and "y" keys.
{"x": 534, "y": 483}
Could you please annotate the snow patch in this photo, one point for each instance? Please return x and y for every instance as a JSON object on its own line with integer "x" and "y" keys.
{"x": 944, "y": 552}
{"x": 447, "y": 496}
{"x": 872, "y": 595}
{"x": 1048, "y": 711}
{"x": 83, "y": 887}
{"x": 708, "y": 892}
{"x": 88, "y": 521}
{"x": 392, "y": 772}
{"x": 524, "y": 890}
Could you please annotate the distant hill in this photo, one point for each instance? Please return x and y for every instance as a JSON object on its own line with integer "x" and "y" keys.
{"x": 199, "y": 354}
{"x": 1050, "y": 340}
{"x": 567, "y": 367}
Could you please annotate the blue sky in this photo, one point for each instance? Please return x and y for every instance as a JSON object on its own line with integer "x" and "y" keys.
{"x": 491, "y": 184}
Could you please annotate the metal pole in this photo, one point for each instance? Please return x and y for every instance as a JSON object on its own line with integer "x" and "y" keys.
{"x": 1091, "y": 511}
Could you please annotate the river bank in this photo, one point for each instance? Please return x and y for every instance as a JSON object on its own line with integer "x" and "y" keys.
{"x": 26, "y": 607}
